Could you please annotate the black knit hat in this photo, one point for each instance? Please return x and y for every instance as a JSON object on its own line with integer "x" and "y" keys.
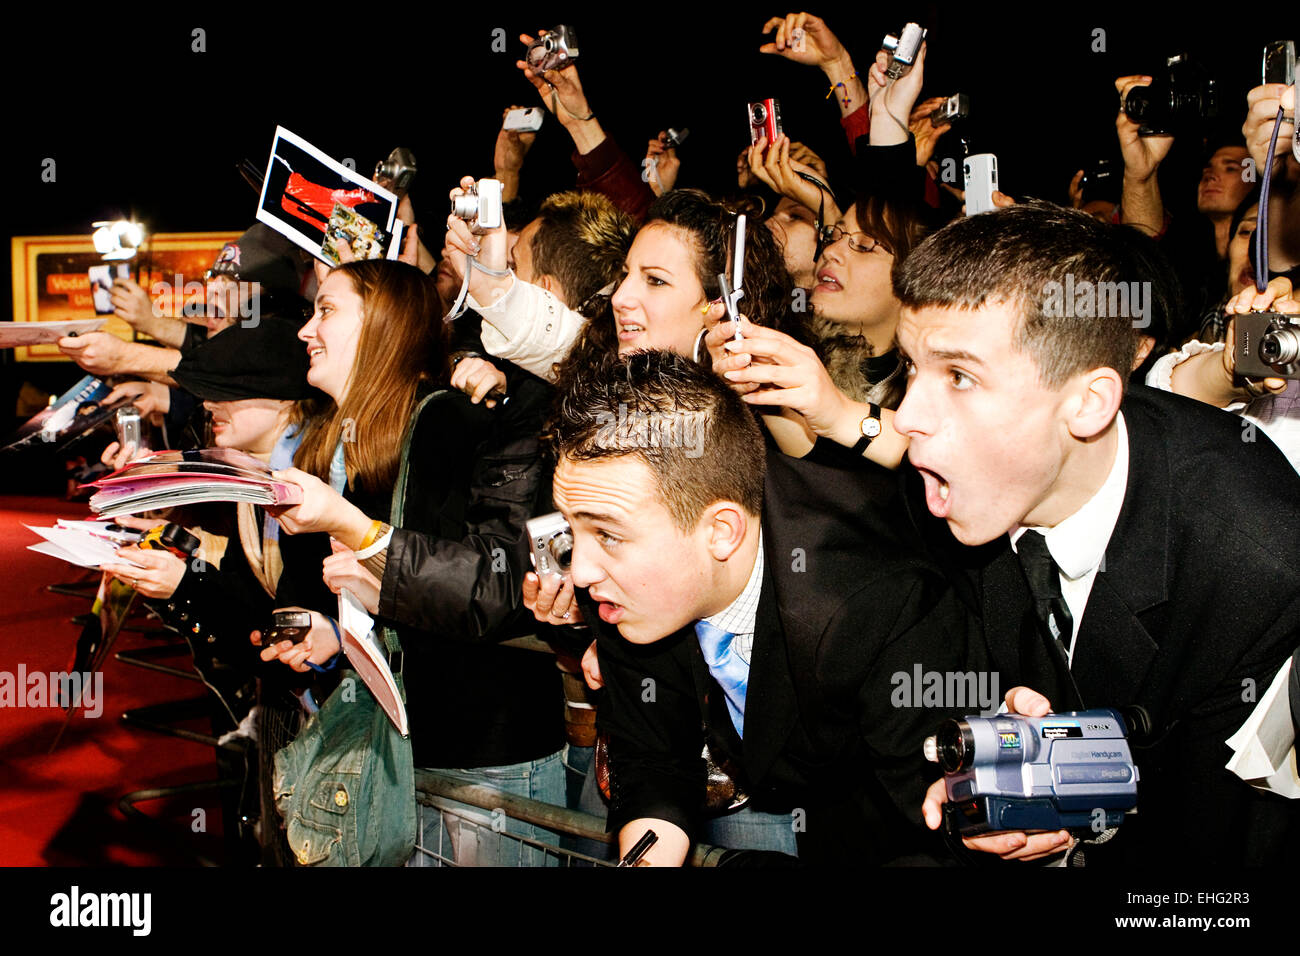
{"x": 265, "y": 360}
{"x": 261, "y": 255}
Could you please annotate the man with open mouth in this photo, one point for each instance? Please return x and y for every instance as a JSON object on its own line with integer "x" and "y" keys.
{"x": 1161, "y": 545}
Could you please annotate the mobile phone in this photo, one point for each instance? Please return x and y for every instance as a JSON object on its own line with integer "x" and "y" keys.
{"x": 981, "y": 177}
{"x": 733, "y": 289}
{"x": 287, "y": 626}
{"x": 524, "y": 120}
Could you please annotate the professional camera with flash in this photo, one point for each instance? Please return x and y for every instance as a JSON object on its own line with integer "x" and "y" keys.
{"x": 554, "y": 51}
{"x": 551, "y": 541}
{"x": 1011, "y": 772}
{"x": 903, "y": 49}
{"x": 480, "y": 206}
{"x": 397, "y": 172}
{"x": 1267, "y": 345}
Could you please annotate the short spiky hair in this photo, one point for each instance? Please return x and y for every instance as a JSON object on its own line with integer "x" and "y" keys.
{"x": 696, "y": 435}
{"x": 582, "y": 242}
{"x": 1021, "y": 255}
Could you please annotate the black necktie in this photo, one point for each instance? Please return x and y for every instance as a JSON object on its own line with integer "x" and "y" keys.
{"x": 1047, "y": 627}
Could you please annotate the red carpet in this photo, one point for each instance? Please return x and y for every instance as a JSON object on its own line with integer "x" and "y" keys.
{"x": 61, "y": 809}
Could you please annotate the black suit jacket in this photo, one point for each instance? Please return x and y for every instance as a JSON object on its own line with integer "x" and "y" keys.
{"x": 1196, "y": 608}
{"x": 848, "y": 601}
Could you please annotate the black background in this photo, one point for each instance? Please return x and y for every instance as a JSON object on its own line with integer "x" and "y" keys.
{"x": 140, "y": 125}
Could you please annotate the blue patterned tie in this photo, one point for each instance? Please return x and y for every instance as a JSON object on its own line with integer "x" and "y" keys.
{"x": 727, "y": 669}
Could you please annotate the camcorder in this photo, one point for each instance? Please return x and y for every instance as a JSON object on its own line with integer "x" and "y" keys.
{"x": 764, "y": 121}
{"x": 480, "y": 206}
{"x": 1184, "y": 96}
{"x": 1267, "y": 345}
{"x": 554, "y": 51}
{"x": 956, "y": 107}
{"x": 903, "y": 49}
{"x": 551, "y": 541}
{"x": 397, "y": 172}
{"x": 1011, "y": 772}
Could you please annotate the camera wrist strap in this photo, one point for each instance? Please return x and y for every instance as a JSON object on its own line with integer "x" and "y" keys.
{"x": 1261, "y": 231}
{"x": 458, "y": 309}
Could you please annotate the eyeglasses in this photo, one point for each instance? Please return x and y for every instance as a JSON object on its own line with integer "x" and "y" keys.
{"x": 858, "y": 241}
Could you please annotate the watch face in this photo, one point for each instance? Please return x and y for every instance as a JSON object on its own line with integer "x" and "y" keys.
{"x": 871, "y": 427}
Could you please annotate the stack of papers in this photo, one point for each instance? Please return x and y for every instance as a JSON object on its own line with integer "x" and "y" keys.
{"x": 1264, "y": 752}
{"x": 14, "y": 334}
{"x": 169, "y": 479}
{"x": 87, "y": 544}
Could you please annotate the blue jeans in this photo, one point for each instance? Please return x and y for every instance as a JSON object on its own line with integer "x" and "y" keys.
{"x": 748, "y": 829}
{"x": 475, "y": 837}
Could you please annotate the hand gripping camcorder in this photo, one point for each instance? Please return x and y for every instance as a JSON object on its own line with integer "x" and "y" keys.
{"x": 1010, "y": 772}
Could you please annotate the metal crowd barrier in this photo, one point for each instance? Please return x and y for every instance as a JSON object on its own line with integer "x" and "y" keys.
{"x": 486, "y": 834}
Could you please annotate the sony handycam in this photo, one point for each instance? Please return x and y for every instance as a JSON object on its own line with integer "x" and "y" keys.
{"x": 1267, "y": 345}
{"x": 903, "y": 49}
{"x": 1010, "y": 772}
{"x": 764, "y": 121}
{"x": 551, "y": 541}
{"x": 480, "y": 206}
{"x": 1185, "y": 95}
{"x": 397, "y": 172}
{"x": 554, "y": 51}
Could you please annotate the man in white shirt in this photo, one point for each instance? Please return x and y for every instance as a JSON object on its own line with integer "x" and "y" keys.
{"x": 1149, "y": 558}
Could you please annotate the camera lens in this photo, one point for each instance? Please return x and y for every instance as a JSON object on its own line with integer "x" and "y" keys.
{"x": 1280, "y": 347}
{"x": 956, "y": 746}
{"x": 1137, "y": 103}
{"x": 757, "y": 114}
{"x": 465, "y": 207}
{"x": 561, "y": 548}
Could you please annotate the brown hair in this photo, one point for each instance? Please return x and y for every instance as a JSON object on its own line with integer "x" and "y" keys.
{"x": 1025, "y": 255}
{"x": 582, "y": 241}
{"x": 692, "y": 430}
{"x": 401, "y": 345}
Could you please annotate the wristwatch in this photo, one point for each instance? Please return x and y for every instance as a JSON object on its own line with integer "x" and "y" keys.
{"x": 869, "y": 427}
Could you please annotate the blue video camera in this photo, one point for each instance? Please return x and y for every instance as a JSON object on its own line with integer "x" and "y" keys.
{"x": 1010, "y": 772}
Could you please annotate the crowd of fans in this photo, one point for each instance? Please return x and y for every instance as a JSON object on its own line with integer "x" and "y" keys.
{"x": 772, "y": 516}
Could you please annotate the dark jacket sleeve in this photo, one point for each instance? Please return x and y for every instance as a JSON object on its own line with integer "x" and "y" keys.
{"x": 889, "y": 172}
{"x": 609, "y": 171}
{"x": 651, "y": 714}
{"x": 470, "y": 584}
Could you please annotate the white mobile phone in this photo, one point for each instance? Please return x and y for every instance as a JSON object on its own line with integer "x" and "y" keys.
{"x": 981, "y": 175}
{"x": 524, "y": 120}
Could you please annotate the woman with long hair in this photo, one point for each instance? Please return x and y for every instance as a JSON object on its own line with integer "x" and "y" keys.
{"x": 448, "y": 578}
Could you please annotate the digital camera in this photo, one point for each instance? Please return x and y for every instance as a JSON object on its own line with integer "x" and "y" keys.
{"x": 397, "y": 172}
{"x": 675, "y": 137}
{"x": 956, "y": 107}
{"x": 554, "y": 51}
{"x": 480, "y": 206}
{"x": 1185, "y": 95}
{"x": 764, "y": 121}
{"x": 1267, "y": 345}
{"x": 903, "y": 49}
{"x": 525, "y": 119}
{"x": 287, "y": 626}
{"x": 551, "y": 543}
{"x": 1010, "y": 772}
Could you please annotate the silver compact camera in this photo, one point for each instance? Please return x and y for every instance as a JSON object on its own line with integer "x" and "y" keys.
{"x": 903, "y": 49}
{"x": 1267, "y": 345}
{"x": 480, "y": 206}
{"x": 130, "y": 431}
{"x": 675, "y": 137}
{"x": 550, "y": 543}
{"x": 956, "y": 107}
{"x": 397, "y": 172}
{"x": 554, "y": 51}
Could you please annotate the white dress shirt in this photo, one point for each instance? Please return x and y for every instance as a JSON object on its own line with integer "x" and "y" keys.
{"x": 1078, "y": 544}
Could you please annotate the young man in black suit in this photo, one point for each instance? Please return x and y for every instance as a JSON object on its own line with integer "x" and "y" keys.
{"x": 1161, "y": 540}
{"x": 767, "y": 617}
